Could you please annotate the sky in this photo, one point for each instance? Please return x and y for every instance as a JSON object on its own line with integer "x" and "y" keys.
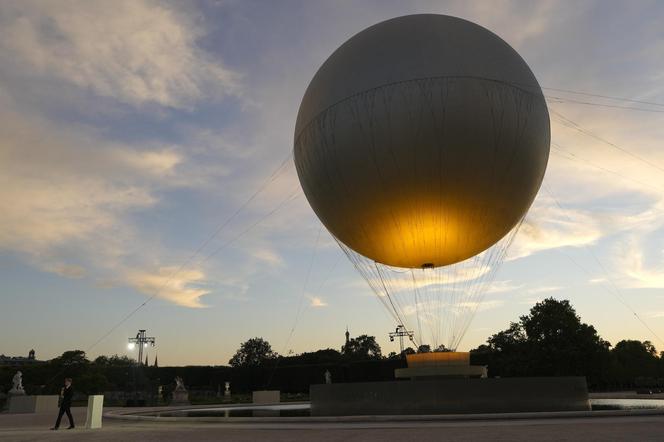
{"x": 130, "y": 131}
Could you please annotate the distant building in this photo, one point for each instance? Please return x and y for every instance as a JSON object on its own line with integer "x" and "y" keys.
{"x": 19, "y": 361}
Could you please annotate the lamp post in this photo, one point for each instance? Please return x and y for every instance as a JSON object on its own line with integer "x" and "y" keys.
{"x": 142, "y": 342}
{"x": 400, "y": 332}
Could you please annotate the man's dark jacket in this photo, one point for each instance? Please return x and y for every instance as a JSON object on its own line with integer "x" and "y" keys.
{"x": 66, "y": 397}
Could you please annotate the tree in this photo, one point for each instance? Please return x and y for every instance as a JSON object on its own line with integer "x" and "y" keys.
{"x": 561, "y": 344}
{"x": 408, "y": 351}
{"x": 362, "y": 347}
{"x": 441, "y": 349}
{"x": 550, "y": 341}
{"x": 633, "y": 359}
{"x": 252, "y": 353}
{"x": 424, "y": 348}
{"x": 323, "y": 356}
{"x": 115, "y": 361}
{"x": 71, "y": 358}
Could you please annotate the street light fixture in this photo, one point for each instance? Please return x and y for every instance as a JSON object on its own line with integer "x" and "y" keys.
{"x": 142, "y": 341}
{"x": 400, "y": 332}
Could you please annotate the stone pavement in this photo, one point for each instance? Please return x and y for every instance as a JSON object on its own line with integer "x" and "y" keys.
{"x": 35, "y": 427}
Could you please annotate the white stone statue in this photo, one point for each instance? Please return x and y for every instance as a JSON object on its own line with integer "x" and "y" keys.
{"x": 180, "y": 394}
{"x": 328, "y": 377}
{"x": 227, "y": 389}
{"x": 17, "y": 385}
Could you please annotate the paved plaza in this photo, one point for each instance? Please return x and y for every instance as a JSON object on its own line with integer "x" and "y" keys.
{"x": 33, "y": 427}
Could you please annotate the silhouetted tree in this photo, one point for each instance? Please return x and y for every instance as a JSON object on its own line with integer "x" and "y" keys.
{"x": 362, "y": 347}
{"x": 408, "y": 351}
{"x": 252, "y": 353}
{"x": 325, "y": 356}
{"x": 424, "y": 348}
{"x": 550, "y": 341}
{"x": 115, "y": 361}
{"x": 634, "y": 359}
{"x": 71, "y": 358}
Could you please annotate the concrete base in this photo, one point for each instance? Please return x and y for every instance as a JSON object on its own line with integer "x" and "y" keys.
{"x": 33, "y": 404}
{"x": 451, "y": 396}
{"x": 95, "y": 411}
{"x": 263, "y": 397}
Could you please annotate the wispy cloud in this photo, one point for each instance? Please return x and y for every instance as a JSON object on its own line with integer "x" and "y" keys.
{"x": 503, "y": 287}
{"x": 636, "y": 271}
{"x": 166, "y": 283}
{"x": 548, "y": 226}
{"x": 134, "y": 51}
{"x": 544, "y": 289}
{"x": 317, "y": 302}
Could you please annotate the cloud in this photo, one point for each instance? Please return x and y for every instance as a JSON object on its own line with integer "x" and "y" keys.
{"x": 544, "y": 289}
{"x": 317, "y": 302}
{"x": 503, "y": 287}
{"x": 531, "y": 300}
{"x": 134, "y": 51}
{"x": 69, "y": 195}
{"x": 68, "y": 270}
{"x": 430, "y": 312}
{"x": 166, "y": 283}
{"x": 268, "y": 256}
{"x": 72, "y": 188}
{"x": 636, "y": 271}
{"x": 482, "y": 305}
{"x": 548, "y": 226}
{"x": 62, "y": 187}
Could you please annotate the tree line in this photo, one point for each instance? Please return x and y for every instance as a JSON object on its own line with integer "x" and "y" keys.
{"x": 551, "y": 340}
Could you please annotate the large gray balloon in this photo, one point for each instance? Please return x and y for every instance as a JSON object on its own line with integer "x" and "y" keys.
{"x": 422, "y": 141}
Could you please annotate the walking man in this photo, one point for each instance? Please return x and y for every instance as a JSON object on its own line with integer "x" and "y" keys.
{"x": 65, "y": 404}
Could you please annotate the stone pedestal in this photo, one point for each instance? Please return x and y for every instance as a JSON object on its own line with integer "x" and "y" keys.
{"x": 33, "y": 404}
{"x": 263, "y": 397}
{"x": 180, "y": 397}
{"x": 95, "y": 411}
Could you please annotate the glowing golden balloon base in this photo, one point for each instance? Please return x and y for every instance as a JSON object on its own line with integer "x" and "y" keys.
{"x": 450, "y": 364}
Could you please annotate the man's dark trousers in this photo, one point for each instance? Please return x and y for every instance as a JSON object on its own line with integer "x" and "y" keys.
{"x": 64, "y": 408}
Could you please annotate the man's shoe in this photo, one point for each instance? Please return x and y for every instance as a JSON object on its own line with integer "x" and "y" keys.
{"x": 70, "y": 427}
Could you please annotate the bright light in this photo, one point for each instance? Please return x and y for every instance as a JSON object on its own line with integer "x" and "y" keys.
{"x": 145, "y": 345}
{"x": 131, "y": 346}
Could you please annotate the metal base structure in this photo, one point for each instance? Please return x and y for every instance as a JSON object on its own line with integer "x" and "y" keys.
{"x": 451, "y": 396}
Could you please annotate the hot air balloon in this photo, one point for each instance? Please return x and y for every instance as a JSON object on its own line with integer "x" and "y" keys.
{"x": 420, "y": 144}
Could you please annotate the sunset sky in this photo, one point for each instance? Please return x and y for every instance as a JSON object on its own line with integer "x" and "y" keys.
{"x": 130, "y": 131}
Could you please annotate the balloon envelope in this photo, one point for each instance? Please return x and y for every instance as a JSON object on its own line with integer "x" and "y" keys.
{"x": 422, "y": 141}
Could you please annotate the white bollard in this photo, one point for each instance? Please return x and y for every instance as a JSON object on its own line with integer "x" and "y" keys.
{"x": 95, "y": 410}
